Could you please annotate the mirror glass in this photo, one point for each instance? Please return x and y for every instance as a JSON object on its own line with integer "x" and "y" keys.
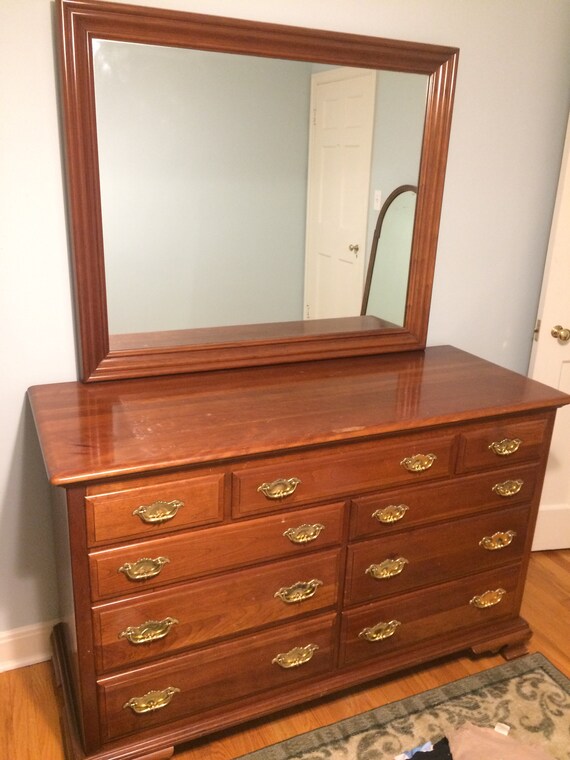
{"x": 200, "y": 171}
{"x": 388, "y": 268}
{"x": 203, "y": 166}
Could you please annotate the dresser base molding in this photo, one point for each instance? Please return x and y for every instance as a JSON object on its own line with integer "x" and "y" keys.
{"x": 509, "y": 637}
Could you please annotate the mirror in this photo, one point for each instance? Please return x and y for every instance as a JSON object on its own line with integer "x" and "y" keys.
{"x": 386, "y": 282}
{"x": 107, "y": 168}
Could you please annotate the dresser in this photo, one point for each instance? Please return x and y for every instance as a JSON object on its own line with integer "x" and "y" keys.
{"x": 233, "y": 543}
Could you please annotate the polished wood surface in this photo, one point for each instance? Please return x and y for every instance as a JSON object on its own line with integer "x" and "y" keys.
{"x": 93, "y": 431}
{"x": 79, "y": 22}
{"x": 29, "y": 723}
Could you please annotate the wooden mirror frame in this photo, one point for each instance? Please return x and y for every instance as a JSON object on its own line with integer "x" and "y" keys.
{"x": 215, "y": 348}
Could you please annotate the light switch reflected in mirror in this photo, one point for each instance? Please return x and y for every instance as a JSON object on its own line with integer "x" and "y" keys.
{"x": 203, "y": 164}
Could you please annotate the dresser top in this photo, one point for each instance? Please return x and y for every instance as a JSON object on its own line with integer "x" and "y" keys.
{"x": 101, "y": 430}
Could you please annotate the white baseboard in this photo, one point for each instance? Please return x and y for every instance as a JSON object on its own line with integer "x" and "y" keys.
{"x": 552, "y": 528}
{"x": 25, "y": 646}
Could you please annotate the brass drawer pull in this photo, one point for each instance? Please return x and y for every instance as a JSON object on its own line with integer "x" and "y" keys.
{"x": 379, "y": 631}
{"x": 304, "y": 534}
{"x": 498, "y": 540}
{"x": 153, "y": 700}
{"x": 390, "y": 514}
{"x": 279, "y": 488}
{"x": 152, "y": 630}
{"x": 295, "y": 657}
{"x": 158, "y": 512}
{"x": 143, "y": 568}
{"x": 418, "y": 462}
{"x": 488, "y": 599}
{"x": 299, "y": 591}
{"x": 508, "y": 487}
{"x": 505, "y": 447}
{"x": 387, "y": 569}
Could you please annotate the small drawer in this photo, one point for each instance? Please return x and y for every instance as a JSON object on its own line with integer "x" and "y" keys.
{"x": 149, "y": 564}
{"x": 164, "y": 622}
{"x": 227, "y": 673}
{"x": 152, "y": 506}
{"x": 401, "y": 562}
{"x": 397, "y": 510}
{"x": 342, "y": 470}
{"x": 500, "y": 443}
{"x": 436, "y": 613}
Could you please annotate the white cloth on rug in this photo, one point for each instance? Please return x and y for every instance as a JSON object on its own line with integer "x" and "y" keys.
{"x": 475, "y": 742}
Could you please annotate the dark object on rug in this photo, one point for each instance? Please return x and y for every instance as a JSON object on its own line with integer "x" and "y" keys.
{"x": 440, "y": 751}
{"x": 528, "y": 694}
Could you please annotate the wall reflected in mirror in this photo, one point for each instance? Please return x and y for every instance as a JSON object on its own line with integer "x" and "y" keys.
{"x": 203, "y": 161}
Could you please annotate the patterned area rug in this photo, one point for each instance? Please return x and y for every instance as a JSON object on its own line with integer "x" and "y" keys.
{"x": 528, "y": 694}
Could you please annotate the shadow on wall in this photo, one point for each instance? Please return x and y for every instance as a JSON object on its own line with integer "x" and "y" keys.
{"x": 27, "y": 562}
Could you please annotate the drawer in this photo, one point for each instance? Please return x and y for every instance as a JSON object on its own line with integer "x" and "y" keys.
{"x": 213, "y": 550}
{"x": 152, "y": 506}
{"x": 503, "y": 442}
{"x": 399, "y": 509}
{"x": 402, "y": 622}
{"x": 404, "y": 561}
{"x": 219, "y": 675}
{"x": 207, "y": 611}
{"x": 342, "y": 470}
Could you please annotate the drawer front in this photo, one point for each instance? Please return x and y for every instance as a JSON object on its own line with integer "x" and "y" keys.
{"x": 164, "y": 622}
{"x": 400, "y": 623}
{"x": 397, "y": 510}
{"x": 218, "y": 675}
{"x": 150, "y": 507}
{"x": 404, "y": 561}
{"x": 501, "y": 443}
{"x": 351, "y": 469}
{"x": 213, "y": 550}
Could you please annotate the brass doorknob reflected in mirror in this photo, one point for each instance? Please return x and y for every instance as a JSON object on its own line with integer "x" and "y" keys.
{"x": 354, "y": 247}
{"x": 562, "y": 333}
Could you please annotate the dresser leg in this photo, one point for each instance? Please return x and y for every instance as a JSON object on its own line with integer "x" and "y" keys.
{"x": 511, "y": 643}
{"x": 160, "y": 754}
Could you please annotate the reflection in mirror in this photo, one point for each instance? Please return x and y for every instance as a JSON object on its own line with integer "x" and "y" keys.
{"x": 388, "y": 268}
{"x": 204, "y": 163}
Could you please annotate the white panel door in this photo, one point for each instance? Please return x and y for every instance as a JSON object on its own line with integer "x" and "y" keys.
{"x": 340, "y": 152}
{"x": 550, "y": 364}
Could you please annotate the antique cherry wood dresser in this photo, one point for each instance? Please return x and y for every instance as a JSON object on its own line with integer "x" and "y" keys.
{"x": 233, "y": 543}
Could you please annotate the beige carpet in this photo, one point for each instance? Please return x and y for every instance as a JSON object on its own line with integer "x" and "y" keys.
{"x": 528, "y": 694}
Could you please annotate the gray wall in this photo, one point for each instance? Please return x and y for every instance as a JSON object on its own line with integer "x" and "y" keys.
{"x": 510, "y": 117}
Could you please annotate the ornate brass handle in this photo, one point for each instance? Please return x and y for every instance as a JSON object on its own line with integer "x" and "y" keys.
{"x": 498, "y": 540}
{"x": 488, "y": 599}
{"x": 159, "y": 511}
{"x": 562, "y": 333}
{"x": 304, "y": 534}
{"x": 390, "y": 514}
{"x": 418, "y": 462}
{"x": 152, "y": 630}
{"x": 508, "y": 487}
{"x": 379, "y": 631}
{"x": 387, "y": 569}
{"x": 506, "y": 447}
{"x": 295, "y": 657}
{"x": 143, "y": 568}
{"x": 299, "y": 591}
{"x": 279, "y": 488}
{"x": 153, "y": 700}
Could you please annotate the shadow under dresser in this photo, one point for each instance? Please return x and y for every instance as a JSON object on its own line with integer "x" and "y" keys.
{"x": 232, "y": 543}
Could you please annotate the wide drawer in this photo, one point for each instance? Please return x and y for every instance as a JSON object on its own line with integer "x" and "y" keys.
{"x": 164, "y": 622}
{"x": 125, "y": 569}
{"x": 149, "y": 507}
{"x": 502, "y": 442}
{"x": 401, "y": 622}
{"x": 342, "y": 470}
{"x": 195, "y": 683}
{"x": 404, "y": 561}
{"x": 399, "y": 509}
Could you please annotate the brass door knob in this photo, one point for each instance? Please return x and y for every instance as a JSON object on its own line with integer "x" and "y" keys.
{"x": 562, "y": 333}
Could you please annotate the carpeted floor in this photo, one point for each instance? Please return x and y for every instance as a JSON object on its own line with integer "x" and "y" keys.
{"x": 528, "y": 694}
